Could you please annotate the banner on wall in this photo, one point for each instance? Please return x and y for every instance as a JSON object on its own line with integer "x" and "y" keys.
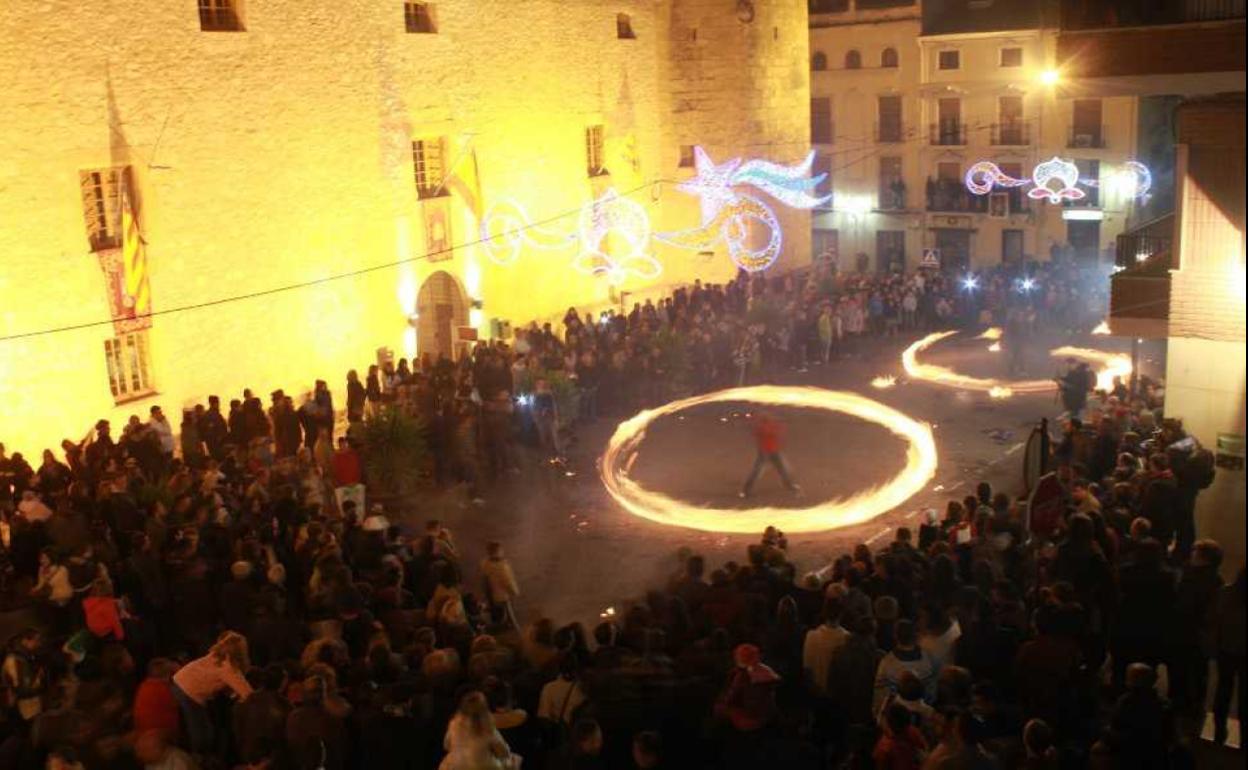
{"x": 437, "y": 228}
{"x": 125, "y": 270}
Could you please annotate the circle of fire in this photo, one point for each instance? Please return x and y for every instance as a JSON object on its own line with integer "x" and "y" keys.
{"x": 621, "y": 453}
{"x": 1110, "y": 365}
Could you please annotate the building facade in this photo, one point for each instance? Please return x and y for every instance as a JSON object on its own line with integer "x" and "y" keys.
{"x": 927, "y": 92}
{"x": 203, "y": 196}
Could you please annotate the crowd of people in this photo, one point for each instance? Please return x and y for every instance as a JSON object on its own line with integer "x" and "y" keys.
{"x": 212, "y": 598}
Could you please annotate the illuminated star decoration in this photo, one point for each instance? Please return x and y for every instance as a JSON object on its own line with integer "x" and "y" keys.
{"x": 728, "y": 213}
{"x": 627, "y": 226}
{"x": 1064, "y": 173}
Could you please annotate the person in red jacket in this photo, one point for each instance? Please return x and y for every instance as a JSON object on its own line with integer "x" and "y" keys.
{"x": 348, "y": 473}
{"x": 769, "y": 441}
{"x": 155, "y": 707}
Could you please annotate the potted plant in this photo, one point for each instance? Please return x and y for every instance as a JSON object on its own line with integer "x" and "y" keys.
{"x": 393, "y": 447}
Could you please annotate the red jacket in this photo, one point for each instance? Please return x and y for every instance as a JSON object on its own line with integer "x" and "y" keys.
{"x": 155, "y": 707}
{"x": 346, "y": 468}
{"x": 769, "y": 435}
{"x": 103, "y": 617}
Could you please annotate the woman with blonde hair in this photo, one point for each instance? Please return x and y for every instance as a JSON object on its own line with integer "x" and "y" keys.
{"x": 472, "y": 740}
{"x": 201, "y": 680}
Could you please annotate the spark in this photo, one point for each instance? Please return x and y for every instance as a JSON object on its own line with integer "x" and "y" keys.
{"x": 921, "y": 461}
{"x": 1101, "y": 328}
{"x": 1000, "y": 392}
{"x": 994, "y": 347}
{"x": 883, "y": 382}
{"x": 1110, "y": 365}
{"x": 991, "y": 333}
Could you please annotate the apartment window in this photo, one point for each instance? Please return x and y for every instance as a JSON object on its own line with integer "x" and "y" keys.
{"x": 949, "y": 172}
{"x": 888, "y": 59}
{"x": 1011, "y": 57}
{"x": 1086, "y": 128}
{"x": 949, "y": 129}
{"x": 219, "y": 16}
{"x": 129, "y": 366}
{"x": 825, "y": 244}
{"x": 819, "y": 62}
{"x": 1014, "y": 195}
{"x": 687, "y": 156}
{"x": 429, "y": 163}
{"x": 624, "y": 27}
{"x": 853, "y": 60}
{"x": 892, "y": 186}
{"x": 1010, "y": 113}
{"x": 418, "y": 18}
{"x": 949, "y": 60}
{"x": 1090, "y": 182}
{"x": 821, "y": 120}
{"x": 823, "y": 165}
{"x": 595, "y": 157}
{"x": 101, "y": 206}
{"x": 890, "y": 119}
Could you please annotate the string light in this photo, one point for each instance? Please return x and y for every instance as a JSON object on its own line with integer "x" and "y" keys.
{"x": 623, "y": 221}
{"x": 1134, "y": 180}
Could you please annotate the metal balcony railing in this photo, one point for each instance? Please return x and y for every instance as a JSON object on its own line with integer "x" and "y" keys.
{"x": 947, "y": 133}
{"x": 1086, "y": 137}
{"x": 1144, "y": 254}
{"x": 1011, "y": 134}
{"x": 890, "y": 132}
{"x": 950, "y": 196}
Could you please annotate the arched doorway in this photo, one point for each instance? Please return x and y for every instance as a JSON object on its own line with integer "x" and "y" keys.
{"x": 442, "y": 309}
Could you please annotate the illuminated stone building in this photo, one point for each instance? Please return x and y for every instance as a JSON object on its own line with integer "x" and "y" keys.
{"x": 304, "y": 181}
{"x": 915, "y": 93}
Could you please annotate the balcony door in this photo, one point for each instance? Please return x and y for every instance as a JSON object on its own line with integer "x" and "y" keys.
{"x": 949, "y": 122}
{"x": 1086, "y": 127}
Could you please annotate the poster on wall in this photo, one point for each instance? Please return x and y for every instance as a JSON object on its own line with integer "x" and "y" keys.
{"x": 437, "y": 228}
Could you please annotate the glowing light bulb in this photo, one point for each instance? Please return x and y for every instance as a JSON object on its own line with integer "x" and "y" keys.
{"x": 1050, "y": 77}
{"x": 970, "y": 283}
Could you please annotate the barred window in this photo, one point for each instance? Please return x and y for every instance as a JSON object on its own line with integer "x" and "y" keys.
{"x": 418, "y": 18}
{"x": 220, "y": 16}
{"x": 129, "y": 366}
{"x": 595, "y": 156}
{"x": 429, "y": 164}
{"x": 101, "y": 206}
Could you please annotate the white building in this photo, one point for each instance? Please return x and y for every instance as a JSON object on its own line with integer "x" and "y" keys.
{"x": 918, "y": 96}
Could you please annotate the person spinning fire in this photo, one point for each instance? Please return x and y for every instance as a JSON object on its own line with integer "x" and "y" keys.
{"x": 769, "y": 441}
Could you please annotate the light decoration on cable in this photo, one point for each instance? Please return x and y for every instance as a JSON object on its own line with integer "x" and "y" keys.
{"x": 1110, "y": 365}
{"x": 921, "y": 461}
{"x": 506, "y": 227}
{"x": 1057, "y": 180}
{"x": 624, "y": 222}
{"x": 728, "y": 213}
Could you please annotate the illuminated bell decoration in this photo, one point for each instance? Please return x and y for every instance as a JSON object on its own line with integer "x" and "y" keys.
{"x": 626, "y": 223}
{"x": 1064, "y": 173}
{"x": 1056, "y": 180}
{"x": 729, "y": 215}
